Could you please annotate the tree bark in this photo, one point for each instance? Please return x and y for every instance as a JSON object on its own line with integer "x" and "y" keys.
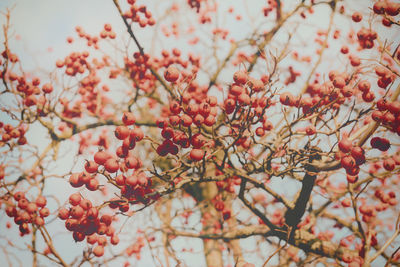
{"x": 212, "y": 248}
{"x": 235, "y": 243}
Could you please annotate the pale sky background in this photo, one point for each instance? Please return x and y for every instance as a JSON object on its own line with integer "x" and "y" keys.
{"x": 39, "y": 32}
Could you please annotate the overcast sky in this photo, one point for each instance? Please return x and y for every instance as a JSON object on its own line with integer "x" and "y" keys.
{"x": 40, "y": 28}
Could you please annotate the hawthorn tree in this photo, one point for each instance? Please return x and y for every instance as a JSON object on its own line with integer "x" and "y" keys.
{"x": 256, "y": 136}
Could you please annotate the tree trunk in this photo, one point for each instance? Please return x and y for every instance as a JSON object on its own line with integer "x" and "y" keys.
{"x": 212, "y": 248}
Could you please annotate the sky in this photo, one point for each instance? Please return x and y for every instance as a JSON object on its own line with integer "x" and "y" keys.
{"x": 39, "y": 30}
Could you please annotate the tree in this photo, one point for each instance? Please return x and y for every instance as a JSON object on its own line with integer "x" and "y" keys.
{"x": 257, "y": 134}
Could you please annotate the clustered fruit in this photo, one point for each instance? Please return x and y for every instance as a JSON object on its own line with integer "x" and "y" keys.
{"x": 388, "y": 8}
{"x": 10, "y": 134}
{"x": 85, "y": 221}
{"x": 134, "y": 11}
{"x": 27, "y": 212}
{"x": 351, "y": 158}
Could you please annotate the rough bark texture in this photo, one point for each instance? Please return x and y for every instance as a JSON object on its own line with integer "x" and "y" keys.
{"x": 309, "y": 243}
{"x": 234, "y": 244}
{"x": 212, "y": 249}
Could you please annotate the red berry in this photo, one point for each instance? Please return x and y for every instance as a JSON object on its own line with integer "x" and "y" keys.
{"x": 364, "y": 86}
{"x": 111, "y": 165}
{"x": 106, "y": 219}
{"x": 63, "y": 214}
{"x": 132, "y": 162}
{"x": 345, "y": 145}
{"x": 92, "y": 239}
{"x": 339, "y": 82}
{"x": 352, "y": 179}
{"x": 120, "y": 179}
{"x": 171, "y": 74}
{"x": 198, "y": 120}
{"x": 122, "y": 132}
{"x": 75, "y": 199}
{"x": 256, "y": 85}
{"x": 348, "y": 162}
{"x": 356, "y": 17}
{"x": 392, "y": 8}
{"x": 19, "y": 195}
{"x": 39, "y": 221}
{"x": 91, "y": 166}
{"x": 31, "y": 207}
{"x": 344, "y": 49}
{"x": 84, "y": 178}
{"x": 186, "y": 120}
{"x": 122, "y": 152}
{"x": 167, "y": 133}
{"x": 380, "y": 143}
{"x": 175, "y": 107}
{"x": 137, "y": 134}
{"x": 197, "y": 154}
{"x": 85, "y": 204}
{"x": 389, "y": 164}
{"x": 347, "y": 257}
{"x": 41, "y": 201}
{"x": 394, "y": 107}
{"x": 226, "y": 214}
{"x": 286, "y": 99}
{"x": 92, "y": 185}
{"x": 260, "y": 131}
{"x": 377, "y": 115}
{"x": 244, "y": 99}
{"x": 100, "y": 157}
{"x": 210, "y": 120}
{"x": 44, "y": 212}
{"x": 162, "y": 150}
{"x": 128, "y": 118}
{"x": 346, "y": 202}
{"x": 132, "y": 180}
{"x": 128, "y": 144}
{"x": 98, "y": 251}
{"x": 92, "y": 213}
{"x": 310, "y": 130}
{"x": 114, "y": 240}
{"x": 368, "y": 96}
{"x": 76, "y": 212}
{"x": 240, "y": 77}
{"x": 47, "y": 88}
{"x": 236, "y": 90}
{"x": 379, "y": 7}
{"x": 353, "y": 171}
{"x": 358, "y": 154}
{"x": 78, "y": 236}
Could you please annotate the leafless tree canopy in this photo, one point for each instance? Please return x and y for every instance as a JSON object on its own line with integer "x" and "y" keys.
{"x": 206, "y": 133}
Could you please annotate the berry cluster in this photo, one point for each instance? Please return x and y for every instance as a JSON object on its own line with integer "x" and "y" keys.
{"x": 380, "y": 143}
{"x": 366, "y": 37}
{"x": 107, "y": 32}
{"x": 6, "y": 54}
{"x": 85, "y": 222}
{"x": 227, "y": 184}
{"x": 134, "y": 14}
{"x": 272, "y": 4}
{"x": 351, "y": 157}
{"x": 8, "y": 133}
{"x": 388, "y": 113}
{"x": 91, "y": 40}
{"x": 135, "y": 185}
{"x": 388, "y": 8}
{"x": 25, "y": 212}
{"x": 74, "y": 63}
{"x": 181, "y": 116}
{"x": 220, "y": 206}
{"x": 32, "y": 95}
